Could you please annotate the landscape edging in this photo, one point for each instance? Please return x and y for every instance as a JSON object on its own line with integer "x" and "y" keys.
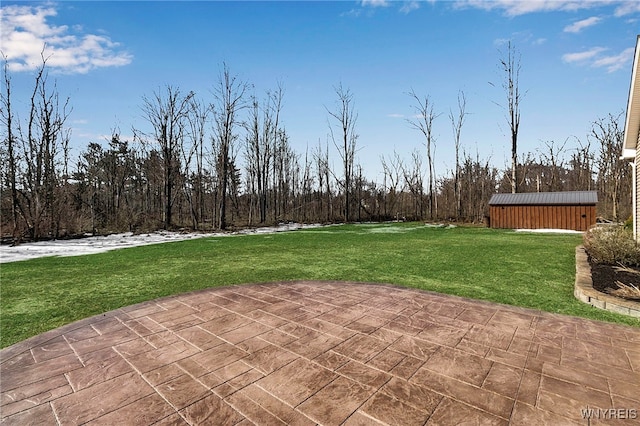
{"x": 584, "y": 291}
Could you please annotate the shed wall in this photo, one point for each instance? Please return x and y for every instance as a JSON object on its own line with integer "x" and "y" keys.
{"x": 579, "y": 218}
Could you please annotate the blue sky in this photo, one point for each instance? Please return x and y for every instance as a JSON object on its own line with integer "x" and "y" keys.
{"x": 105, "y": 56}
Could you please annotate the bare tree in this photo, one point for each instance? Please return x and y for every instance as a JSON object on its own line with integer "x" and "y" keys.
{"x": 413, "y": 178}
{"x": 254, "y": 154}
{"x": 306, "y": 188}
{"x": 198, "y": 118}
{"x": 229, "y": 100}
{"x": 456, "y": 123}
{"x": 167, "y": 114}
{"x": 393, "y": 184}
{"x": 34, "y": 157}
{"x": 285, "y": 175}
{"x": 510, "y": 65}
{"x": 261, "y": 148}
{"x": 423, "y": 122}
{"x": 553, "y": 162}
{"x": 345, "y": 143}
{"x": 321, "y": 157}
{"x": 6, "y": 114}
{"x": 479, "y": 183}
{"x": 273, "y": 137}
{"x": 581, "y": 163}
{"x": 614, "y": 178}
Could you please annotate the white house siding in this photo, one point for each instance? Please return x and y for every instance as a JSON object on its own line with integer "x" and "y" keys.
{"x": 636, "y": 193}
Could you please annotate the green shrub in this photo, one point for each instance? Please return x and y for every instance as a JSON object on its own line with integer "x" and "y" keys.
{"x": 612, "y": 245}
{"x": 628, "y": 224}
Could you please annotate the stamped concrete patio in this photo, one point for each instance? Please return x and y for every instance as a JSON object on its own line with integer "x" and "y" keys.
{"x": 323, "y": 353}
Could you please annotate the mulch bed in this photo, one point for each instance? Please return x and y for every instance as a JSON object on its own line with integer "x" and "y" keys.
{"x": 605, "y": 277}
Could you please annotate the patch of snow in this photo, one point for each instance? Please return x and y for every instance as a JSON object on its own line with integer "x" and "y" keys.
{"x": 551, "y": 231}
{"x": 440, "y": 225}
{"x": 390, "y": 230}
{"x": 101, "y": 244}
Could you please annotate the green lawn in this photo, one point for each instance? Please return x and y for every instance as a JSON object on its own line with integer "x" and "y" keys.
{"x": 524, "y": 269}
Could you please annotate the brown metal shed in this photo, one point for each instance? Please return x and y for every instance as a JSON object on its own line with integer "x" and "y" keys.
{"x": 544, "y": 210}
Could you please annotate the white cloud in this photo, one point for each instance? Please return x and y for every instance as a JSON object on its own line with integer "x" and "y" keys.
{"x": 627, "y": 8}
{"x": 578, "y": 26}
{"x": 374, "y": 3}
{"x": 594, "y": 58}
{"x": 26, "y": 36}
{"x": 522, "y": 7}
{"x": 406, "y": 6}
{"x": 582, "y": 56}
{"x": 520, "y": 38}
{"x": 395, "y": 115}
{"x": 410, "y": 6}
{"x": 616, "y": 62}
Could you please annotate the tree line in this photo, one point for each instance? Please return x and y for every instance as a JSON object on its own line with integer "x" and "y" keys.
{"x": 227, "y": 161}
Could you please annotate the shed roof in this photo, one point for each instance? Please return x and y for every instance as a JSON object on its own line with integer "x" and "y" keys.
{"x": 545, "y": 198}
